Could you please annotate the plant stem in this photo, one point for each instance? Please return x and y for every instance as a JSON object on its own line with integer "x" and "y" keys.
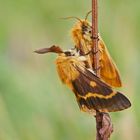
{"x": 95, "y": 35}
{"x": 99, "y": 115}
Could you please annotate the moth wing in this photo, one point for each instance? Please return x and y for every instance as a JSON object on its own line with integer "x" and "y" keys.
{"x": 109, "y": 71}
{"x": 94, "y": 94}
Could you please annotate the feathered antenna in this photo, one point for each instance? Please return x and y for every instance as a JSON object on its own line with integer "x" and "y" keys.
{"x": 54, "y": 49}
{"x": 74, "y": 18}
{"x": 88, "y": 14}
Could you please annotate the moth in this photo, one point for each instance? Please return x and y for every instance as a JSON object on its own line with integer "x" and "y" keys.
{"x": 91, "y": 93}
{"x": 82, "y": 37}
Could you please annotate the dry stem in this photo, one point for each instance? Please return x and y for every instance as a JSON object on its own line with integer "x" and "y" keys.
{"x": 103, "y": 121}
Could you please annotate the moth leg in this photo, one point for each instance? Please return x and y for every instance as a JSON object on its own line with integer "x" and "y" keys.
{"x": 95, "y": 37}
{"x": 94, "y": 53}
{"x": 88, "y": 53}
{"x": 91, "y": 51}
{"x": 97, "y": 69}
{"x": 84, "y": 54}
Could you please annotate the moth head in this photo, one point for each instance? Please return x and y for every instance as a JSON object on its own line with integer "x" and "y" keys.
{"x": 82, "y": 30}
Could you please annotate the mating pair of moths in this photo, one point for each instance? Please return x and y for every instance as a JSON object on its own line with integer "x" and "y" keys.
{"x": 75, "y": 69}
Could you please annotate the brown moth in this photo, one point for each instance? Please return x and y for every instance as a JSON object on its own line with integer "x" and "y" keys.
{"x": 91, "y": 93}
{"x": 82, "y": 37}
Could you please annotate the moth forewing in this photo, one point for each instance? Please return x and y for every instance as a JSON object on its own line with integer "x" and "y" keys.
{"x": 109, "y": 71}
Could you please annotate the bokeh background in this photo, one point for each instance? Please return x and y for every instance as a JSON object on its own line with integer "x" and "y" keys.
{"x": 34, "y": 105}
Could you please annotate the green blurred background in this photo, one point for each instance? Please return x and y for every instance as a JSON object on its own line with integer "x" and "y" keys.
{"x": 34, "y": 105}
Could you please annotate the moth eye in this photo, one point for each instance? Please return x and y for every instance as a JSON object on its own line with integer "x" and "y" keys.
{"x": 89, "y": 32}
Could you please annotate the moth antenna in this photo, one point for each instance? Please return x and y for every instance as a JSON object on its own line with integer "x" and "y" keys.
{"x": 54, "y": 49}
{"x": 74, "y": 18}
{"x": 87, "y": 14}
